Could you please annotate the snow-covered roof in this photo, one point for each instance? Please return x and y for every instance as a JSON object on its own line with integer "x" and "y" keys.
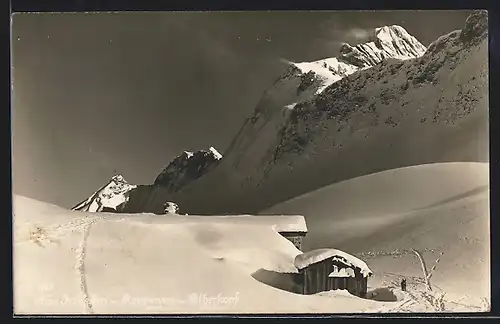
{"x": 284, "y": 223}
{"x": 280, "y": 223}
{"x": 305, "y": 259}
{"x": 287, "y": 223}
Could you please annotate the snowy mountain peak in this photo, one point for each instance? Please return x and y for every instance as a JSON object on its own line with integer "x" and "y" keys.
{"x": 397, "y": 42}
{"x": 110, "y": 197}
{"x": 385, "y": 43}
{"x": 394, "y": 32}
{"x": 187, "y": 167}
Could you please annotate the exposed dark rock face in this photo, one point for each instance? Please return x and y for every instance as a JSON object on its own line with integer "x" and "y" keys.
{"x": 186, "y": 168}
{"x": 476, "y": 28}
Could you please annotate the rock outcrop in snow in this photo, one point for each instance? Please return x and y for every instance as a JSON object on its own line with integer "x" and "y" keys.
{"x": 111, "y": 197}
{"x": 171, "y": 208}
{"x": 382, "y": 102}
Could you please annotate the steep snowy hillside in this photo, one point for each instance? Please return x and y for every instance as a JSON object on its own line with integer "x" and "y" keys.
{"x": 111, "y": 197}
{"x": 396, "y": 113}
{"x": 119, "y": 196}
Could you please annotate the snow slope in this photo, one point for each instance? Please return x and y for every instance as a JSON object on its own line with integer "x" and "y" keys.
{"x": 398, "y": 113}
{"x": 442, "y": 210}
{"x": 70, "y": 262}
{"x": 145, "y": 263}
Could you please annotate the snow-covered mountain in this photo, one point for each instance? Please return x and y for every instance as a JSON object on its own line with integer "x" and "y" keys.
{"x": 119, "y": 196}
{"x": 386, "y": 42}
{"x": 187, "y": 167}
{"x": 111, "y": 197}
{"x": 385, "y": 104}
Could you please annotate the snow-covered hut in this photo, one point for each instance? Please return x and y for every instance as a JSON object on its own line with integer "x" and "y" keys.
{"x": 330, "y": 269}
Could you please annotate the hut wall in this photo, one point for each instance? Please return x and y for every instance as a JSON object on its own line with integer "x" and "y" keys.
{"x": 356, "y": 286}
{"x": 315, "y": 279}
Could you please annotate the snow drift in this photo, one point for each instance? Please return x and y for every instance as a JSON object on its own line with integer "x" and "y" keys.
{"x": 441, "y": 210}
{"x": 71, "y": 262}
{"x": 77, "y": 262}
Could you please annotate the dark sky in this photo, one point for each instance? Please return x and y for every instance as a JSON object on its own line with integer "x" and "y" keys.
{"x": 102, "y": 93}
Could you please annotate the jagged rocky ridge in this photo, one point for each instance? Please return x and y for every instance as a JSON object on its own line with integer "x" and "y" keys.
{"x": 385, "y": 43}
{"x": 386, "y": 104}
{"x": 187, "y": 167}
{"x": 122, "y": 197}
